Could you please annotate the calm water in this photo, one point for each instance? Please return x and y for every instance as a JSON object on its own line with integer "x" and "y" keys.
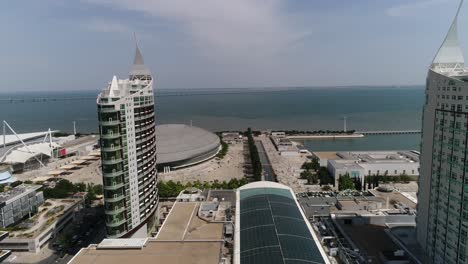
{"x": 366, "y": 108}
{"x": 373, "y": 142}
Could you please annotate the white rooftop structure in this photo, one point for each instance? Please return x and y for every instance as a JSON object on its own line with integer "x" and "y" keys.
{"x": 13, "y": 139}
{"x": 23, "y": 154}
{"x": 123, "y": 243}
{"x": 449, "y": 57}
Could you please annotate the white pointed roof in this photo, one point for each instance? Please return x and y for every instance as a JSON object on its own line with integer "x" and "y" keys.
{"x": 450, "y": 52}
{"x": 114, "y": 87}
{"x": 138, "y": 67}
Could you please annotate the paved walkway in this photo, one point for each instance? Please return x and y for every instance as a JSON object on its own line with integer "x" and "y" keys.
{"x": 287, "y": 168}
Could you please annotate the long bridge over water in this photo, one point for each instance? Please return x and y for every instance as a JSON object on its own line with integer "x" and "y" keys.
{"x": 389, "y": 132}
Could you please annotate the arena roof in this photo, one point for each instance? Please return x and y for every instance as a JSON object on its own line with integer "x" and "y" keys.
{"x": 271, "y": 228}
{"x": 177, "y": 142}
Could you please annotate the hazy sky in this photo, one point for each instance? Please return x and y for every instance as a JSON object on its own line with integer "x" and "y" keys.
{"x": 69, "y": 45}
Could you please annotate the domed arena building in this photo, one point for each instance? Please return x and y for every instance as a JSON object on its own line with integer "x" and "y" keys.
{"x": 180, "y": 146}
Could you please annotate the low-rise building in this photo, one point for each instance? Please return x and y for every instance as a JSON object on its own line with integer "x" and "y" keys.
{"x": 19, "y": 202}
{"x": 359, "y": 164}
{"x": 34, "y": 233}
{"x": 270, "y": 227}
{"x": 183, "y": 238}
{"x": 283, "y": 144}
{"x": 231, "y": 137}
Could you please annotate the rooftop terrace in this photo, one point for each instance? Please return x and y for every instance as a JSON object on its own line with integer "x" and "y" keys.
{"x": 183, "y": 238}
{"x": 18, "y": 191}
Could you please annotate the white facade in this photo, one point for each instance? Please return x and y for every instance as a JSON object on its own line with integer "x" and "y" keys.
{"x": 442, "y": 220}
{"x": 359, "y": 164}
{"x": 18, "y": 203}
{"x": 128, "y": 147}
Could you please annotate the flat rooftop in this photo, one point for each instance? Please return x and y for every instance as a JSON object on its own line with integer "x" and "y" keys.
{"x": 326, "y": 155}
{"x": 395, "y": 196}
{"x": 183, "y": 238}
{"x": 380, "y": 156}
{"x": 371, "y": 239}
{"x": 183, "y": 224}
{"x": 18, "y": 191}
{"x": 154, "y": 252}
{"x": 49, "y": 212}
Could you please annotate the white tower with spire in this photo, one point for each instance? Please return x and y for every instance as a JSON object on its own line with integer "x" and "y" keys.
{"x": 128, "y": 151}
{"x": 442, "y": 218}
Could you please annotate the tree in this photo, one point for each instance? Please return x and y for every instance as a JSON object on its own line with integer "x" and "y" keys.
{"x": 80, "y": 187}
{"x": 254, "y": 156}
{"x": 312, "y": 179}
{"x": 315, "y": 163}
{"x": 325, "y": 177}
{"x": 405, "y": 178}
{"x": 376, "y": 180}
{"x": 97, "y": 189}
{"x": 16, "y": 183}
{"x": 224, "y": 149}
{"x": 306, "y": 166}
{"x": 345, "y": 182}
{"x": 305, "y": 174}
{"x": 358, "y": 183}
{"x": 312, "y": 165}
{"x": 63, "y": 189}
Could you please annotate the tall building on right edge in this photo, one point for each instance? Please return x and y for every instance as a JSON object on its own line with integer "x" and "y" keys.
{"x": 442, "y": 220}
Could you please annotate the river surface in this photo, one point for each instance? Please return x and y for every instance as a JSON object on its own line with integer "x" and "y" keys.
{"x": 366, "y": 108}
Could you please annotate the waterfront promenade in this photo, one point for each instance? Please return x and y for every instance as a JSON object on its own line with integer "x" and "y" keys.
{"x": 287, "y": 168}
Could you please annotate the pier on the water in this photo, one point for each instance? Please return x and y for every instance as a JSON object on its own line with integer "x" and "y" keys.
{"x": 389, "y": 132}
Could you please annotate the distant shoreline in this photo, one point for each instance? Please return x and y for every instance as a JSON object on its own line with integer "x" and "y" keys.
{"x": 270, "y": 88}
{"x": 305, "y": 137}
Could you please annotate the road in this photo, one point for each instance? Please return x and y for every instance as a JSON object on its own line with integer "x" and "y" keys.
{"x": 90, "y": 230}
{"x": 268, "y": 173}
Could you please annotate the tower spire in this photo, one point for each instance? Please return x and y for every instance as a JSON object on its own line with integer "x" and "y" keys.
{"x": 138, "y": 60}
{"x": 450, "y": 54}
{"x": 139, "y": 70}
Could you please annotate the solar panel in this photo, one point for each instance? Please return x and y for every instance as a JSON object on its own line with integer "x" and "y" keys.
{"x": 273, "y": 230}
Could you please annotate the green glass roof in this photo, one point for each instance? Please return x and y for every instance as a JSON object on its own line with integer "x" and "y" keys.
{"x": 272, "y": 229}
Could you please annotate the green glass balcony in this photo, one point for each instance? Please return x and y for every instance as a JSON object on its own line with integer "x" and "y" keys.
{"x": 111, "y": 148}
{"x": 115, "y": 210}
{"x": 114, "y": 198}
{"x": 113, "y": 174}
{"x": 110, "y": 135}
{"x": 111, "y": 161}
{"x": 113, "y": 186}
{"x": 115, "y": 222}
{"x": 109, "y": 122}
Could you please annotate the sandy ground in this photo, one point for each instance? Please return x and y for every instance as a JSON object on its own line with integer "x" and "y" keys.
{"x": 230, "y": 167}
{"x": 287, "y": 168}
{"x": 90, "y": 173}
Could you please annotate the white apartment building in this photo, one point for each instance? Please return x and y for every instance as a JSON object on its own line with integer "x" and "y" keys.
{"x": 128, "y": 151}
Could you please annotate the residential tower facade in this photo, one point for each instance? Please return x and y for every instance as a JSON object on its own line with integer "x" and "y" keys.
{"x": 442, "y": 220}
{"x": 128, "y": 151}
